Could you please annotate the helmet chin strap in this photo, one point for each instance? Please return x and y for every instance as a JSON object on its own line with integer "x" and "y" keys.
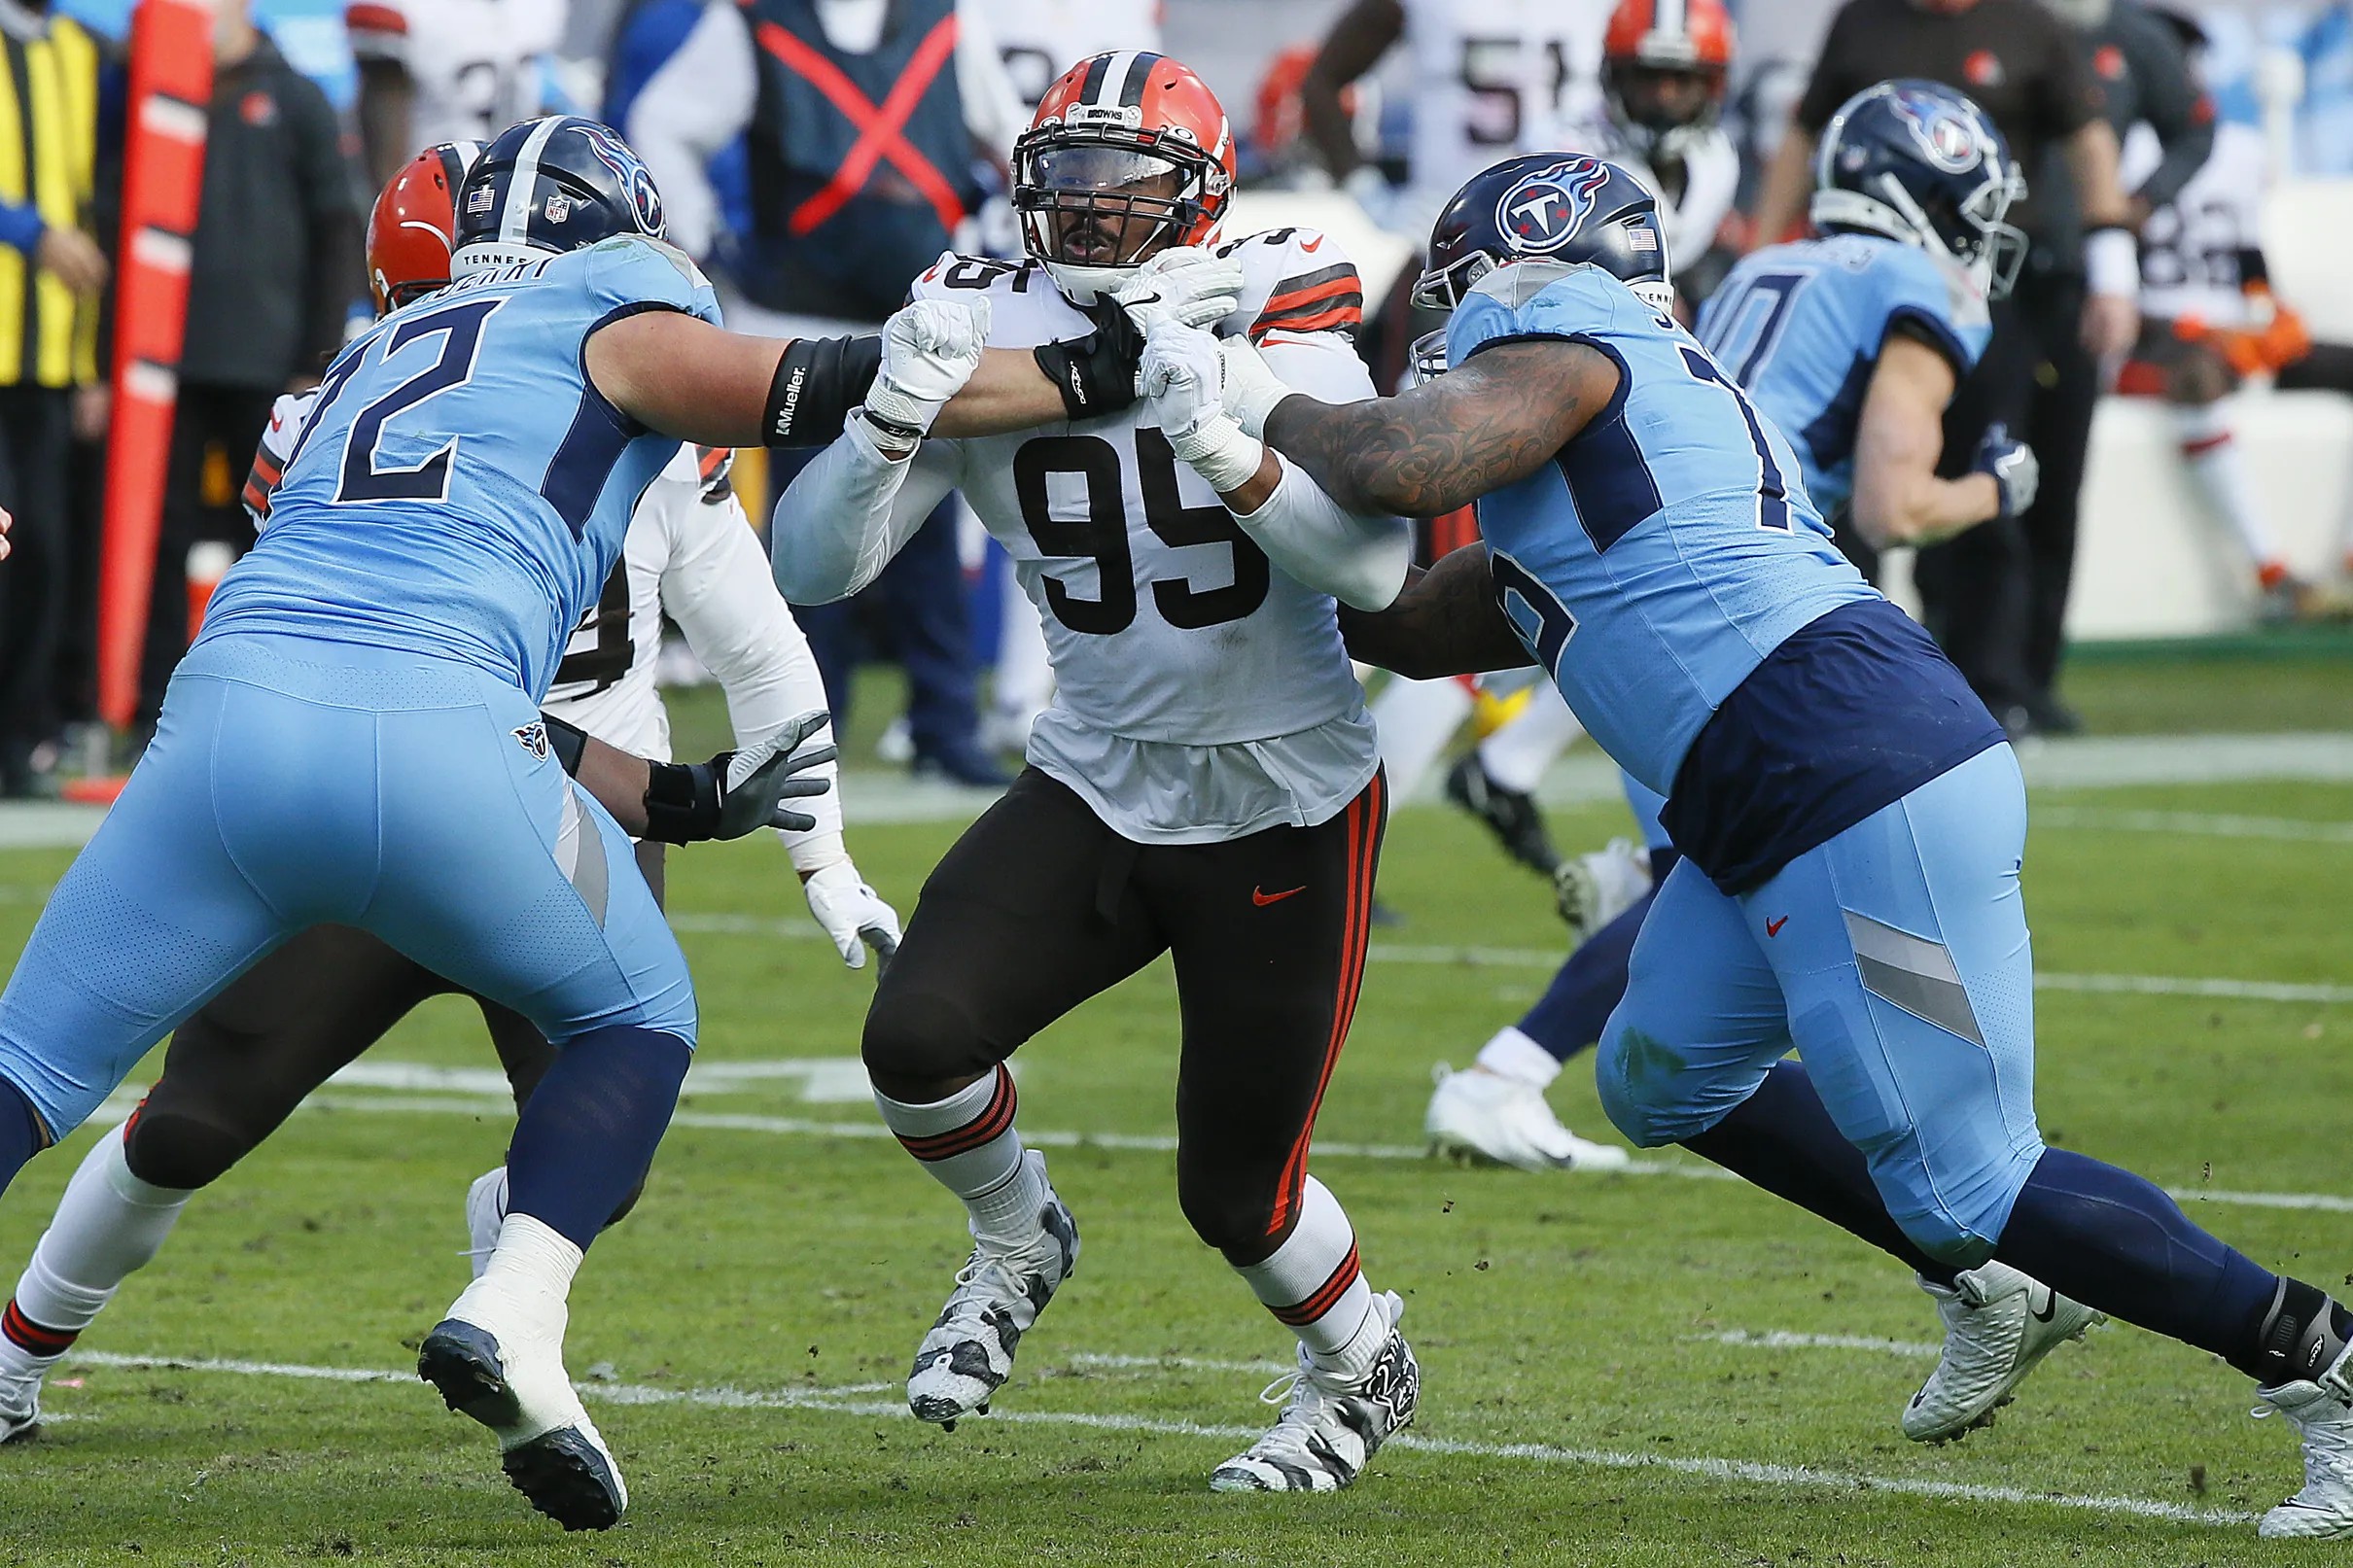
{"x": 1082, "y": 284}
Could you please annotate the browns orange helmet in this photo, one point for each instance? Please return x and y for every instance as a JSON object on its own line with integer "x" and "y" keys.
{"x": 410, "y": 232}
{"x": 1662, "y": 67}
{"x": 1129, "y": 153}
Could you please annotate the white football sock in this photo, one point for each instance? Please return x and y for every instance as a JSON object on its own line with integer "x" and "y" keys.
{"x": 2220, "y": 469}
{"x": 1518, "y": 756}
{"x": 532, "y": 1260}
{"x": 1416, "y": 719}
{"x": 1513, "y": 1055}
{"x": 109, "y": 1224}
{"x": 968, "y": 1144}
{"x": 1313, "y": 1285}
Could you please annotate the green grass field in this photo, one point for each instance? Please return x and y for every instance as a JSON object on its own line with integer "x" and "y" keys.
{"x": 1586, "y": 1395}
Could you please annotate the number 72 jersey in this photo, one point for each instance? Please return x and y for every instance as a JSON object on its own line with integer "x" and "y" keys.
{"x": 1671, "y": 545}
{"x": 460, "y": 488}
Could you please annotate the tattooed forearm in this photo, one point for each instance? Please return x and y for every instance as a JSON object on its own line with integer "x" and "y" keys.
{"x": 1446, "y": 442}
{"x": 1446, "y": 622}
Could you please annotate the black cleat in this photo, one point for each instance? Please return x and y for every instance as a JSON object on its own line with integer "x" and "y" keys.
{"x": 1510, "y": 815}
{"x": 564, "y": 1471}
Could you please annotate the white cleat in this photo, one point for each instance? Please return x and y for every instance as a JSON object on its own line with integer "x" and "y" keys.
{"x": 1998, "y": 1324}
{"x": 1487, "y": 1118}
{"x": 2322, "y": 1412}
{"x": 20, "y": 1405}
{"x": 1590, "y": 891}
{"x": 968, "y": 1354}
{"x": 1327, "y": 1430}
{"x": 499, "y": 1358}
{"x": 485, "y": 1213}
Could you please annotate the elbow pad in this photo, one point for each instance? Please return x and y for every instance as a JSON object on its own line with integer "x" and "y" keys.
{"x": 818, "y": 381}
{"x": 1096, "y": 374}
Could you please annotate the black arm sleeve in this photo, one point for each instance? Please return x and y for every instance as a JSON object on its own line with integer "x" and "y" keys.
{"x": 2181, "y": 114}
{"x": 818, "y": 381}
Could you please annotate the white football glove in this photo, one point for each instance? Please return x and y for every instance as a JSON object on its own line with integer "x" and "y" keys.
{"x": 1187, "y": 284}
{"x": 1251, "y": 390}
{"x": 853, "y": 914}
{"x": 1182, "y": 378}
{"x": 930, "y": 349}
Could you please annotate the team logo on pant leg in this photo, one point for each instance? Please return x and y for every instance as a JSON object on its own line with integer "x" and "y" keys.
{"x": 532, "y": 738}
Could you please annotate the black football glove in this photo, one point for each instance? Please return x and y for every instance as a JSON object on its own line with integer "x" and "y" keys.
{"x": 1096, "y": 374}
{"x": 739, "y": 792}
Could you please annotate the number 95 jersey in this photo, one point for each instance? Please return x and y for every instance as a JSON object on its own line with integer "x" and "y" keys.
{"x": 461, "y": 489}
{"x": 1168, "y": 629}
{"x": 1669, "y": 546}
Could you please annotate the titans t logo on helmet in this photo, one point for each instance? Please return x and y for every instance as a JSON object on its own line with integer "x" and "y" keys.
{"x": 1545, "y": 208}
{"x": 645, "y": 201}
{"x": 1947, "y": 139}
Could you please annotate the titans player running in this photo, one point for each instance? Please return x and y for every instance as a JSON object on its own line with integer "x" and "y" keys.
{"x": 354, "y": 738}
{"x": 1852, "y": 818}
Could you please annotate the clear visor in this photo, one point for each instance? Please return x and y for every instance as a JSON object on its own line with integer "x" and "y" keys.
{"x": 1103, "y": 170}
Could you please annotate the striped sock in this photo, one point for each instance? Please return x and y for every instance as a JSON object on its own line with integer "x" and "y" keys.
{"x": 108, "y": 1225}
{"x": 967, "y": 1142}
{"x": 1313, "y": 1285}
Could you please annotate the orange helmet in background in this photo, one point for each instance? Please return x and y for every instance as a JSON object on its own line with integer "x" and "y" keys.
{"x": 1129, "y": 153}
{"x": 1662, "y": 67}
{"x": 410, "y": 227}
{"x": 1281, "y": 116}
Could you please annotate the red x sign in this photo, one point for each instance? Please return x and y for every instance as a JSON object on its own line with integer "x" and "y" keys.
{"x": 881, "y": 132}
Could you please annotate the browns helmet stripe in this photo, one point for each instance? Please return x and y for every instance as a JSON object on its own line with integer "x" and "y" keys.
{"x": 1097, "y": 69}
{"x": 1138, "y": 74}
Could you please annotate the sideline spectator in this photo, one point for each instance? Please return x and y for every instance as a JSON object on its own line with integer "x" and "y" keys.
{"x": 51, "y": 274}
{"x": 275, "y": 265}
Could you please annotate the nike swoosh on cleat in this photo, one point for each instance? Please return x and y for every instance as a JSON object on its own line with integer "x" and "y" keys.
{"x": 2049, "y": 1308}
{"x": 1263, "y": 898}
{"x": 1774, "y": 927}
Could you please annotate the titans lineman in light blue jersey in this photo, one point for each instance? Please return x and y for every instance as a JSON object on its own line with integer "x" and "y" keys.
{"x": 1850, "y": 818}
{"x": 355, "y": 740}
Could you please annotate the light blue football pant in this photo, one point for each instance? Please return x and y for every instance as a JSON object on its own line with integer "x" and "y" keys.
{"x": 1646, "y": 804}
{"x": 1895, "y": 960}
{"x": 292, "y": 784}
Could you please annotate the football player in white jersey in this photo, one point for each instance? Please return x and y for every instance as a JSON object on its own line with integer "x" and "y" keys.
{"x": 247, "y": 1059}
{"x": 1205, "y": 784}
{"x": 2209, "y": 320}
{"x": 1489, "y": 78}
{"x": 437, "y": 71}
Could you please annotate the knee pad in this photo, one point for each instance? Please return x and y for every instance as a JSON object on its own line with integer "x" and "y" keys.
{"x": 174, "y": 1148}
{"x": 918, "y": 1035}
{"x": 1644, "y": 1125}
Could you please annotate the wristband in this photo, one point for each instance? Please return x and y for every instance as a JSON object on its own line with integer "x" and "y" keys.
{"x": 817, "y": 380}
{"x": 1221, "y": 453}
{"x": 681, "y": 802}
{"x": 892, "y": 439}
{"x": 2111, "y": 261}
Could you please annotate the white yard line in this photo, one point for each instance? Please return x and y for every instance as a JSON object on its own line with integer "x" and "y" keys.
{"x": 1779, "y": 1340}
{"x": 2195, "y": 825}
{"x": 832, "y": 1402}
{"x": 120, "y": 1105}
{"x": 1181, "y": 1363}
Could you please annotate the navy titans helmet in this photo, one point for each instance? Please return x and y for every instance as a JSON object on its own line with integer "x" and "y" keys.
{"x": 1921, "y": 164}
{"x": 1563, "y": 208}
{"x": 547, "y": 185}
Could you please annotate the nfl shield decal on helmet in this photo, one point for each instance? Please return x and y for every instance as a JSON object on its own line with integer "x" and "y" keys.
{"x": 1945, "y": 138}
{"x": 1545, "y": 208}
